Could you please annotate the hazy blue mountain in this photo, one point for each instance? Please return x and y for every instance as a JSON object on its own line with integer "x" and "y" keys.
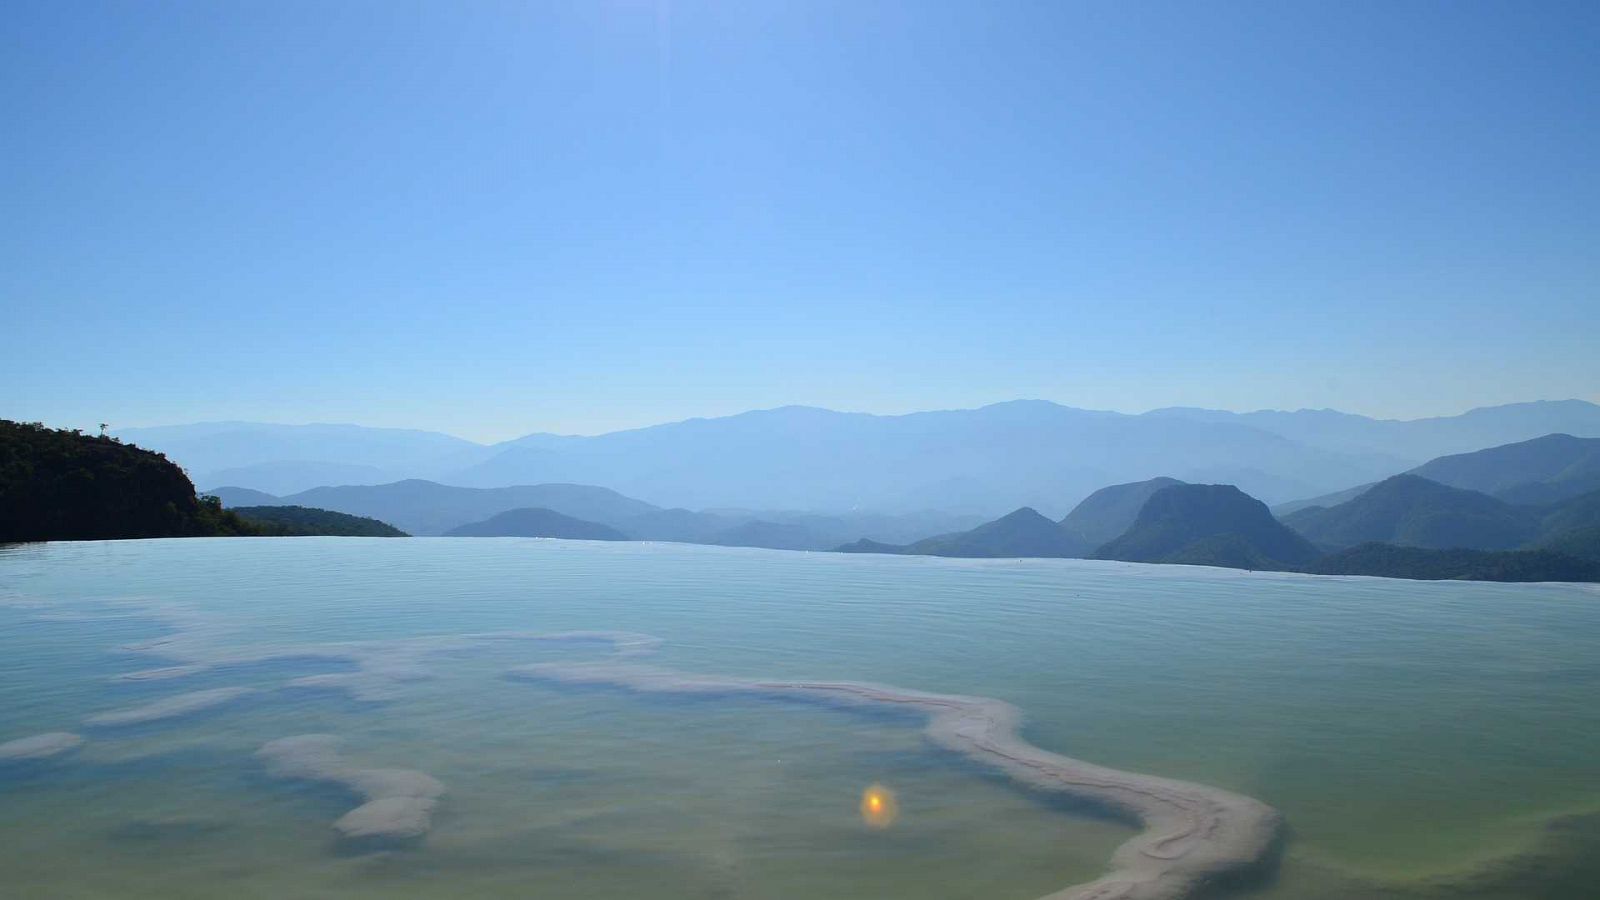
{"x": 1101, "y": 516}
{"x": 425, "y": 507}
{"x": 678, "y": 525}
{"x": 238, "y": 496}
{"x": 289, "y": 521}
{"x": 1208, "y": 524}
{"x": 1540, "y": 471}
{"x": 978, "y": 461}
{"x": 1109, "y": 512}
{"x": 1326, "y": 500}
{"x": 774, "y": 535}
{"x": 1547, "y": 469}
{"x": 867, "y": 545}
{"x": 295, "y": 457}
{"x": 786, "y": 530}
{"x": 733, "y": 529}
{"x": 537, "y": 522}
{"x": 975, "y": 461}
{"x": 1022, "y": 533}
{"x": 297, "y": 475}
{"x": 1415, "y": 439}
{"x": 1408, "y": 510}
{"x": 831, "y": 529}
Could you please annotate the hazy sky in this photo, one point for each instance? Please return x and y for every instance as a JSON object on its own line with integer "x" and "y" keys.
{"x": 496, "y": 218}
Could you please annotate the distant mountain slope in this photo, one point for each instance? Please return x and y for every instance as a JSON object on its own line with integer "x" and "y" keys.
{"x": 787, "y": 529}
{"x": 1022, "y": 533}
{"x": 296, "y": 475}
{"x": 1570, "y": 515}
{"x": 832, "y": 528}
{"x": 1544, "y": 470}
{"x": 425, "y": 507}
{"x": 980, "y": 460}
{"x": 1217, "y": 525}
{"x": 1327, "y": 500}
{"x": 677, "y": 525}
{"x": 1547, "y": 469}
{"x": 1582, "y": 542}
{"x": 1459, "y": 565}
{"x": 976, "y": 461}
{"x": 867, "y": 545}
{"x": 1208, "y": 524}
{"x": 536, "y": 522}
{"x": 1100, "y": 518}
{"x": 1409, "y": 510}
{"x": 1103, "y": 515}
{"x": 772, "y": 535}
{"x": 238, "y": 496}
{"x": 296, "y": 457}
{"x": 1416, "y": 439}
{"x": 66, "y": 486}
{"x": 304, "y": 521}
{"x": 1110, "y": 511}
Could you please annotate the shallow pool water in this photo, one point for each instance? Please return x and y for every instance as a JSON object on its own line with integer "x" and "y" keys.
{"x": 1422, "y": 739}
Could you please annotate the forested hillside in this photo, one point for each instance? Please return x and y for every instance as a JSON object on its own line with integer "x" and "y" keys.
{"x": 63, "y": 485}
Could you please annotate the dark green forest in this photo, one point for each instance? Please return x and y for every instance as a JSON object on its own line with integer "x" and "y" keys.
{"x": 1389, "y": 561}
{"x": 296, "y": 521}
{"x": 58, "y": 485}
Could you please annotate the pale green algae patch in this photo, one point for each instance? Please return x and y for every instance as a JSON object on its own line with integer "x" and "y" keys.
{"x": 1467, "y": 707}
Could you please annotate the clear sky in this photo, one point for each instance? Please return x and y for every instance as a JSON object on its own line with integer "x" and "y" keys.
{"x": 495, "y": 218}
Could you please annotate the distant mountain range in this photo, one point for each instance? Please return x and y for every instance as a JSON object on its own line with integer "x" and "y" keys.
{"x": 978, "y": 461}
{"x": 428, "y": 508}
{"x": 1162, "y": 520}
{"x": 1100, "y": 517}
{"x": 1404, "y": 526}
{"x": 1543, "y": 470}
{"x": 1412, "y": 511}
{"x": 1109, "y": 512}
{"x": 1021, "y": 533}
{"x": 282, "y": 459}
{"x": 1548, "y": 469}
{"x": 1208, "y": 524}
{"x": 301, "y": 521}
{"x": 65, "y": 485}
{"x": 1417, "y": 439}
{"x": 535, "y": 522}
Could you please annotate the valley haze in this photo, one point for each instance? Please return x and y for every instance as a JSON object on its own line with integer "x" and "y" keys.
{"x": 983, "y": 461}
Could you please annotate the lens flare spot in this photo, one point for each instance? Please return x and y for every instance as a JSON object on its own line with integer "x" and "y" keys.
{"x": 878, "y": 806}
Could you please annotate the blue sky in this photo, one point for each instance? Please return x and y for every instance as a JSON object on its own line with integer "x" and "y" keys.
{"x": 497, "y": 218}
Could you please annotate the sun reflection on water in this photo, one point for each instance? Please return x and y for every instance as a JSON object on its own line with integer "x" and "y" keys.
{"x": 878, "y": 806}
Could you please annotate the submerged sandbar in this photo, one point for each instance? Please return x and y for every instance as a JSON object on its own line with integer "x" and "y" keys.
{"x": 40, "y": 746}
{"x": 1192, "y": 834}
{"x": 399, "y": 802}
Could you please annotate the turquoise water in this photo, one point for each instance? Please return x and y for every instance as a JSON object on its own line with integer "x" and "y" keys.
{"x": 1423, "y": 740}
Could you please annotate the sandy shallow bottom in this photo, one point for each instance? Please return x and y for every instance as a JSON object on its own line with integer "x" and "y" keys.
{"x": 142, "y": 684}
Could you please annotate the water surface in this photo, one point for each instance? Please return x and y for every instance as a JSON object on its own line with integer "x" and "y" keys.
{"x": 1423, "y": 739}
